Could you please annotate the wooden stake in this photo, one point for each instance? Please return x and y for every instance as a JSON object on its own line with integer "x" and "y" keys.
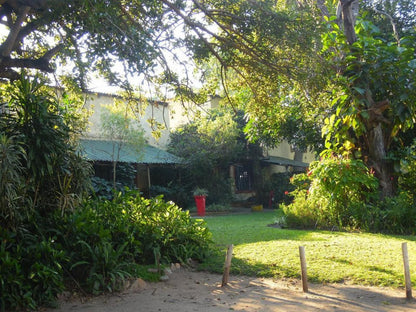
{"x": 227, "y": 265}
{"x": 407, "y": 280}
{"x": 303, "y": 268}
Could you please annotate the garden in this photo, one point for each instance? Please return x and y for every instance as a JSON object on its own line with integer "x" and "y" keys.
{"x": 333, "y": 77}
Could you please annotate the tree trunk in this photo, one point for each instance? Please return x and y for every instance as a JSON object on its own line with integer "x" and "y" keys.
{"x": 377, "y": 159}
{"x": 378, "y": 132}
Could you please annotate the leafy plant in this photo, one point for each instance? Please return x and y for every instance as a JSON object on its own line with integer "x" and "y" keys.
{"x": 11, "y": 181}
{"x": 200, "y": 192}
{"x": 30, "y": 270}
{"x": 105, "y": 267}
{"x": 338, "y": 187}
{"x": 43, "y": 154}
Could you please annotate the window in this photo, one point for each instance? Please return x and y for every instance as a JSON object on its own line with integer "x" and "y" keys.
{"x": 243, "y": 178}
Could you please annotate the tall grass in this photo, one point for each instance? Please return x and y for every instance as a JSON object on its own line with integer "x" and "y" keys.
{"x": 358, "y": 258}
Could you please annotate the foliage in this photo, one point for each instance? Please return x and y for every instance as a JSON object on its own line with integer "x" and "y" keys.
{"x": 200, "y": 192}
{"x": 373, "y": 96}
{"x": 174, "y": 191}
{"x": 106, "y": 238}
{"x": 39, "y": 160}
{"x": 339, "y": 189}
{"x": 121, "y": 129}
{"x": 213, "y": 208}
{"x": 407, "y": 180}
{"x": 280, "y": 186}
{"x": 95, "y": 248}
{"x": 218, "y": 208}
{"x": 11, "y": 181}
{"x": 209, "y": 145}
{"x": 396, "y": 215}
{"x": 264, "y": 251}
{"x": 31, "y": 272}
{"x": 342, "y": 193}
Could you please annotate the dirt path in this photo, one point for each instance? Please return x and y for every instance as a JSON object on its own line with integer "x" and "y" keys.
{"x": 188, "y": 291}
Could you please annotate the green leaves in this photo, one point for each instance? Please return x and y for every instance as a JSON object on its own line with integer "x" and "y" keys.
{"x": 337, "y": 187}
{"x": 39, "y": 150}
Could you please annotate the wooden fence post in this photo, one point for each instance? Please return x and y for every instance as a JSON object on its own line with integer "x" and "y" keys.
{"x": 407, "y": 279}
{"x": 303, "y": 268}
{"x": 227, "y": 265}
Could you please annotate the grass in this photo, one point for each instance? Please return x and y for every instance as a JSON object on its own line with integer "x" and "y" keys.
{"x": 357, "y": 258}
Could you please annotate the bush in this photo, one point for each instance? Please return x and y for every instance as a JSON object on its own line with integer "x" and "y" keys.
{"x": 398, "y": 214}
{"x": 128, "y": 230}
{"x": 174, "y": 191}
{"x": 96, "y": 247}
{"x": 335, "y": 193}
{"x": 30, "y": 270}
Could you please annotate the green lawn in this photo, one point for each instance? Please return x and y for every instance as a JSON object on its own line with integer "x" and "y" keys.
{"x": 360, "y": 258}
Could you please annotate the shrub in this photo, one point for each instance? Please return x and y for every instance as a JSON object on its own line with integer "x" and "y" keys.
{"x": 174, "y": 191}
{"x": 95, "y": 247}
{"x": 164, "y": 227}
{"x": 339, "y": 191}
{"x": 106, "y": 239}
{"x": 30, "y": 270}
{"x": 398, "y": 214}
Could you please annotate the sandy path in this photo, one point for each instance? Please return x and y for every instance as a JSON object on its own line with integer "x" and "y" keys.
{"x": 187, "y": 291}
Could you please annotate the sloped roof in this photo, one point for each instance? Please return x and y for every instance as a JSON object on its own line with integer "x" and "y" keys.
{"x": 285, "y": 162}
{"x": 102, "y": 150}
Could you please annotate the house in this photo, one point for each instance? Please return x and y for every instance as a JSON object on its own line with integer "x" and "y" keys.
{"x": 153, "y": 117}
{"x": 158, "y": 119}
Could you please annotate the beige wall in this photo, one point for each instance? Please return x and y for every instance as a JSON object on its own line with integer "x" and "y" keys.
{"x": 285, "y": 150}
{"x": 160, "y": 112}
{"x": 183, "y": 113}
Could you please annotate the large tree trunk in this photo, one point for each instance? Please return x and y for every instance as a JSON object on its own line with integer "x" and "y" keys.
{"x": 378, "y": 133}
{"x": 377, "y": 159}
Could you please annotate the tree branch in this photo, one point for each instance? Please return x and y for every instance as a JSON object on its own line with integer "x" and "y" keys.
{"x": 41, "y": 64}
{"x": 348, "y": 19}
{"x": 393, "y": 24}
{"x": 7, "y": 47}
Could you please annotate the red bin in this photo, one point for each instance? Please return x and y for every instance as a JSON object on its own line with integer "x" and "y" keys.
{"x": 200, "y": 204}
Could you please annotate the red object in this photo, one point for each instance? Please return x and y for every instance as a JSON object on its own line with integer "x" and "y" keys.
{"x": 200, "y": 204}
{"x": 271, "y": 199}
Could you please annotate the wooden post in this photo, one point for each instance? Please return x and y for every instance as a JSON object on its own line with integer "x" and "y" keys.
{"x": 227, "y": 265}
{"x": 303, "y": 268}
{"x": 407, "y": 280}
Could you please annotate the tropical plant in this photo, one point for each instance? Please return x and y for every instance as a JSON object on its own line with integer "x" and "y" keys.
{"x": 338, "y": 189}
{"x": 200, "y": 192}
{"x": 373, "y": 98}
{"x": 11, "y": 181}
{"x": 43, "y": 162}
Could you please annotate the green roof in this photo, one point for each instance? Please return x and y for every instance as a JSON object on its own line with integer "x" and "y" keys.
{"x": 285, "y": 162}
{"x": 102, "y": 150}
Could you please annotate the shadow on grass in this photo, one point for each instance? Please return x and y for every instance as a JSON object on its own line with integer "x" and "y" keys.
{"x": 248, "y": 268}
{"x": 254, "y": 228}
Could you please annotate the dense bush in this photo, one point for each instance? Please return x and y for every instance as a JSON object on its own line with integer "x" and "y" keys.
{"x": 40, "y": 168}
{"x": 96, "y": 247}
{"x": 342, "y": 193}
{"x": 31, "y": 271}
{"x": 331, "y": 194}
{"x": 129, "y": 230}
{"x": 174, "y": 191}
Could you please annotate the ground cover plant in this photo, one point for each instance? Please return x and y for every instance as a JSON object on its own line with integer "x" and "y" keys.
{"x": 261, "y": 250}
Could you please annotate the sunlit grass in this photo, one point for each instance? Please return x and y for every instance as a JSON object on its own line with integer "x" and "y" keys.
{"x": 359, "y": 258}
